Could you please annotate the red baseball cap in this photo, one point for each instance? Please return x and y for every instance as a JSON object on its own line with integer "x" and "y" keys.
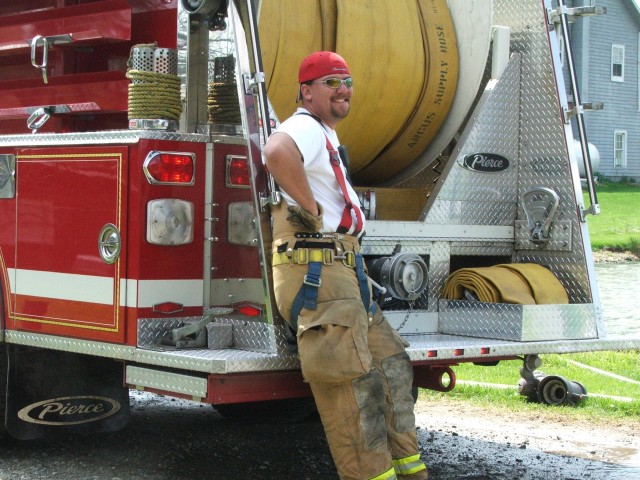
{"x": 319, "y": 64}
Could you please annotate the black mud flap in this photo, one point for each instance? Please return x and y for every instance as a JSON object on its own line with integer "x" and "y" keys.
{"x": 51, "y": 394}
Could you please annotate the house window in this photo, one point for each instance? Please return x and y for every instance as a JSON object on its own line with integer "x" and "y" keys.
{"x": 617, "y": 63}
{"x": 620, "y": 149}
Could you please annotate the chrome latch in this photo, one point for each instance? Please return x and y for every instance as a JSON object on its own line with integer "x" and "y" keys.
{"x": 540, "y": 205}
{"x": 109, "y": 243}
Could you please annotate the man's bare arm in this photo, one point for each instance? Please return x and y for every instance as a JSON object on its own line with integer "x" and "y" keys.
{"x": 284, "y": 162}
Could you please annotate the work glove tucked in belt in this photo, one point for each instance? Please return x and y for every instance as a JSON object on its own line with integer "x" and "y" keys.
{"x": 302, "y": 219}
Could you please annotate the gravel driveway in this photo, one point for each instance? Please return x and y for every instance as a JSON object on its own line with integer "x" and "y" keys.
{"x": 170, "y": 439}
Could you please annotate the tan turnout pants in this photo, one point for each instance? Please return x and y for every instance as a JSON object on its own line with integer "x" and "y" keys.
{"x": 355, "y": 363}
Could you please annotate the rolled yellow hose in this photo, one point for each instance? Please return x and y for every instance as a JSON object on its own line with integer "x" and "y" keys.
{"x": 298, "y": 26}
{"x": 269, "y": 29}
{"x": 329, "y": 13}
{"x": 401, "y": 54}
{"x": 438, "y": 36}
{"x": 380, "y": 41}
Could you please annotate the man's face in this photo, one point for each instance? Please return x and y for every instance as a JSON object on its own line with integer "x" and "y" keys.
{"x": 330, "y": 104}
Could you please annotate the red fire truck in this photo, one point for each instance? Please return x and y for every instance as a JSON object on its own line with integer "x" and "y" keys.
{"x": 134, "y": 210}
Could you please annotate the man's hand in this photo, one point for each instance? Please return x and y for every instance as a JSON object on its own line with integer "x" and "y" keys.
{"x": 302, "y": 219}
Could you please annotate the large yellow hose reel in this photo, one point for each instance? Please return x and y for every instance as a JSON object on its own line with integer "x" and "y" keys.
{"x": 402, "y": 56}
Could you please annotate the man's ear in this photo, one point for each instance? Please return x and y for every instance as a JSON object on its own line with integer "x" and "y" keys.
{"x": 304, "y": 92}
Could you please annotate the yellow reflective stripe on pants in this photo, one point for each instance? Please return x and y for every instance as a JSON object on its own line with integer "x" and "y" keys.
{"x": 409, "y": 465}
{"x": 388, "y": 475}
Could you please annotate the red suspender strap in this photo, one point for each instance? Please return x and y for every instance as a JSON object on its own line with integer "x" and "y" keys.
{"x": 346, "y": 223}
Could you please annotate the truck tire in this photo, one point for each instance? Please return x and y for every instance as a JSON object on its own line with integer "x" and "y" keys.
{"x": 288, "y": 410}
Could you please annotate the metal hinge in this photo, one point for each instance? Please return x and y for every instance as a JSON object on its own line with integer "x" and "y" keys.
{"x": 573, "y": 13}
{"x": 569, "y": 113}
{"x": 274, "y": 199}
{"x": 594, "y": 209}
{"x": 251, "y": 83}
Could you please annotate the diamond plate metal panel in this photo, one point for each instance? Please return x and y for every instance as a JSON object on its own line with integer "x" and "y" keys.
{"x": 518, "y": 117}
{"x": 517, "y": 322}
{"x": 425, "y": 348}
{"x": 167, "y": 381}
{"x": 151, "y": 330}
{"x": 544, "y": 158}
{"x": 256, "y": 336}
{"x": 471, "y": 197}
{"x": 219, "y": 336}
{"x": 472, "y": 212}
{"x": 457, "y": 348}
{"x": 380, "y": 247}
{"x": 97, "y": 138}
{"x": 496, "y": 249}
{"x": 252, "y": 335}
{"x": 439, "y": 268}
{"x": 218, "y": 361}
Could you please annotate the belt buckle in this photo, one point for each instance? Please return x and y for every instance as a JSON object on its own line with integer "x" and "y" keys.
{"x": 333, "y": 236}
{"x": 327, "y": 256}
{"x": 349, "y": 259}
{"x": 311, "y": 283}
{"x": 301, "y": 256}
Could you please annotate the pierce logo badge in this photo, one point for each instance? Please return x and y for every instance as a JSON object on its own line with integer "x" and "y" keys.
{"x": 484, "y": 162}
{"x": 69, "y": 410}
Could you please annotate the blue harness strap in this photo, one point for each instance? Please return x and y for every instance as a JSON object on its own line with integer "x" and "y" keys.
{"x": 362, "y": 281}
{"x": 364, "y": 284}
{"x": 307, "y": 296}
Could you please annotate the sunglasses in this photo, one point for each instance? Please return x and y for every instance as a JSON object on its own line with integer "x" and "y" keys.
{"x": 335, "y": 83}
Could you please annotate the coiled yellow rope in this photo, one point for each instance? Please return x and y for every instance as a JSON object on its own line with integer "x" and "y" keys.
{"x": 153, "y": 95}
{"x": 222, "y": 101}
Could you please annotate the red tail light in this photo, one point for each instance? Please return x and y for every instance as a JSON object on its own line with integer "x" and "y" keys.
{"x": 250, "y": 311}
{"x": 170, "y": 168}
{"x": 238, "y": 172}
{"x": 168, "y": 307}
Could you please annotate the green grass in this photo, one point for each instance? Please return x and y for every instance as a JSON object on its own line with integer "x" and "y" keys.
{"x": 618, "y": 225}
{"x": 626, "y": 364}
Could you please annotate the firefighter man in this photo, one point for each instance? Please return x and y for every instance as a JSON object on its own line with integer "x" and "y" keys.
{"x": 354, "y": 361}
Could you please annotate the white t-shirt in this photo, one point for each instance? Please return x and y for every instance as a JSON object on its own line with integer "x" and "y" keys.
{"x": 309, "y": 135}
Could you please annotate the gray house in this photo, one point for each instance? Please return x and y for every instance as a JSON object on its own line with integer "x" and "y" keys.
{"x": 606, "y": 50}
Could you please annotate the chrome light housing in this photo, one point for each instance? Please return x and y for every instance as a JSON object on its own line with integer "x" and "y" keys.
{"x": 169, "y": 222}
